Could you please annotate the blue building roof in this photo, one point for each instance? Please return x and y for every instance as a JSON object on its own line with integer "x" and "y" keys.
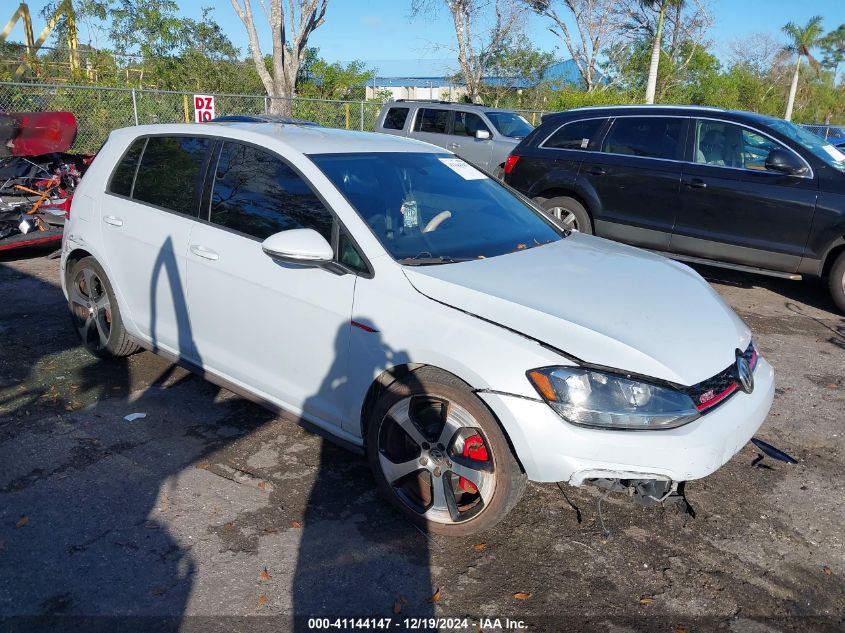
{"x": 422, "y": 73}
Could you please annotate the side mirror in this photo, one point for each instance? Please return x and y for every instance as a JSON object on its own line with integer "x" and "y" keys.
{"x": 784, "y": 162}
{"x": 482, "y": 135}
{"x": 298, "y": 246}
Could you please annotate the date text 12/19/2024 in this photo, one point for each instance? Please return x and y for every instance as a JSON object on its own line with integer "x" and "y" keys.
{"x": 411, "y": 624}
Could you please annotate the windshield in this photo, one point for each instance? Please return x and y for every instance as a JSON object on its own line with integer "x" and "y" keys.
{"x": 818, "y": 146}
{"x": 434, "y": 208}
{"x": 510, "y": 124}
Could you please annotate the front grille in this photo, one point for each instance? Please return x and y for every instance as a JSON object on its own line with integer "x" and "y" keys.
{"x": 712, "y": 392}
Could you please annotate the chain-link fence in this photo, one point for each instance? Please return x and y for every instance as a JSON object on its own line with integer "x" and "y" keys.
{"x": 99, "y": 110}
{"x": 833, "y": 133}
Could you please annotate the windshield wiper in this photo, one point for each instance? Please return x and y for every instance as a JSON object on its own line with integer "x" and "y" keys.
{"x": 432, "y": 261}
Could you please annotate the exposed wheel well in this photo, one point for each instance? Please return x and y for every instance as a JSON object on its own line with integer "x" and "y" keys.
{"x": 384, "y": 380}
{"x": 74, "y": 256}
{"x": 831, "y": 258}
{"x": 391, "y": 375}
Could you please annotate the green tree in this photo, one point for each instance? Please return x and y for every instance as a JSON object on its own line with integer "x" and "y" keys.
{"x": 833, "y": 47}
{"x": 516, "y": 67}
{"x": 320, "y": 79}
{"x": 802, "y": 39}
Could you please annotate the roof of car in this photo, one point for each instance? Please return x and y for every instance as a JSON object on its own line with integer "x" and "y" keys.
{"x": 305, "y": 139}
{"x": 433, "y": 103}
{"x": 656, "y": 109}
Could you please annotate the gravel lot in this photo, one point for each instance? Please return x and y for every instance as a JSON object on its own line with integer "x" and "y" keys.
{"x": 211, "y": 506}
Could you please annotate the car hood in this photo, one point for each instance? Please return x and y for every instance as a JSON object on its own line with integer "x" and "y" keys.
{"x": 602, "y": 302}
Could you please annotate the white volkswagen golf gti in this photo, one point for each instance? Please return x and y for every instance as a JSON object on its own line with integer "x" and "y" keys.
{"x": 405, "y": 304}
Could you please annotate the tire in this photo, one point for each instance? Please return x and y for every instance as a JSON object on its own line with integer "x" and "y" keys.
{"x": 836, "y": 282}
{"x": 420, "y": 476}
{"x": 568, "y": 212}
{"x": 499, "y": 172}
{"x": 94, "y": 311}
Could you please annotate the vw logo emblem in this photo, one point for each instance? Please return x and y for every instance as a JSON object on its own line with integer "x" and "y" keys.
{"x": 746, "y": 376}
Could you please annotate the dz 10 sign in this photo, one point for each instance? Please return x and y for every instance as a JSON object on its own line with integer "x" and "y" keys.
{"x": 203, "y": 108}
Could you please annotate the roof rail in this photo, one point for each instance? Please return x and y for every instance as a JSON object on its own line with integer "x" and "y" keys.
{"x": 426, "y": 101}
{"x": 646, "y": 106}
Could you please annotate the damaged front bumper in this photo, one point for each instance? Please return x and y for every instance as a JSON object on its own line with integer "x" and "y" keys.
{"x": 552, "y": 450}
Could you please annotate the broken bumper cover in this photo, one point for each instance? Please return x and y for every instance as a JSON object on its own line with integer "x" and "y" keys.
{"x": 551, "y": 449}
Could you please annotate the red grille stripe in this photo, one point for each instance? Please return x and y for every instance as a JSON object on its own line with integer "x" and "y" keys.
{"x": 717, "y": 398}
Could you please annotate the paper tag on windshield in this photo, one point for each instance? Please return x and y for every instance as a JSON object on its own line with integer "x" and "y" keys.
{"x": 834, "y": 153}
{"x": 410, "y": 219}
{"x": 464, "y": 170}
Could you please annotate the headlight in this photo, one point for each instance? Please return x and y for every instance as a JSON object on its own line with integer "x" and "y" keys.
{"x": 592, "y": 398}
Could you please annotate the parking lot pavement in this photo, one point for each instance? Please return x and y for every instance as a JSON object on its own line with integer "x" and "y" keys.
{"x": 211, "y": 506}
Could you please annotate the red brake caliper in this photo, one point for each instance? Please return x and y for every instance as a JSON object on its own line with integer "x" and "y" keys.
{"x": 473, "y": 449}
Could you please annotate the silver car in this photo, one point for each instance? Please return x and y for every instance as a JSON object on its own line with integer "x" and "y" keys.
{"x": 480, "y": 135}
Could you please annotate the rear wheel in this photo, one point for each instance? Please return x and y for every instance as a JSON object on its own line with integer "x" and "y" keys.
{"x": 440, "y": 457}
{"x": 94, "y": 311}
{"x": 836, "y": 281}
{"x": 569, "y": 213}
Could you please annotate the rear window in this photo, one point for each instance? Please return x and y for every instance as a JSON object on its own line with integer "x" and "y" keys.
{"x": 648, "y": 137}
{"x": 124, "y": 175}
{"x": 395, "y": 118}
{"x": 169, "y": 175}
{"x": 575, "y": 134}
{"x": 430, "y": 120}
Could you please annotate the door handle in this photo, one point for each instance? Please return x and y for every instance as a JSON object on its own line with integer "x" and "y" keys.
{"x": 113, "y": 220}
{"x": 205, "y": 253}
{"x": 697, "y": 183}
{"x": 454, "y": 145}
{"x": 596, "y": 171}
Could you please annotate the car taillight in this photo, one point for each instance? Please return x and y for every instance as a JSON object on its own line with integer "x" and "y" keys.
{"x": 510, "y": 162}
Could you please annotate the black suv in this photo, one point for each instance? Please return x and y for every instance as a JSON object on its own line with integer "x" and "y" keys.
{"x": 700, "y": 184}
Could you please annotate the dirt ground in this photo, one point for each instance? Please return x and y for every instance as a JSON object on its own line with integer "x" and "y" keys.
{"x": 212, "y": 514}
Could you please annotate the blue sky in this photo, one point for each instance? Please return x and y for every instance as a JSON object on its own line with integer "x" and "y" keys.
{"x": 373, "y": 30}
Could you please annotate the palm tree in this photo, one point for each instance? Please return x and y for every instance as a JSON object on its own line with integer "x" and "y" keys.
{"x": 801, "y": 41}
{"x": 660, "y": 6}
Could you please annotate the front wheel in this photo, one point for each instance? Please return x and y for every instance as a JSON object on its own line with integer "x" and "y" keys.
{"x": 836, "y": 282}
{"x": 440, "y": 457}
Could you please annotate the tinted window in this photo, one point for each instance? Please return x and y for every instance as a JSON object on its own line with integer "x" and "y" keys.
{"x": 432, "y": 121}
{"x": 170, "y": 172}
{"x": 348, "y": 255}
{"x": 121, "y": 180}
{"x": 510, "y": 124}
{"x": 575, "y": 135}
{"x": 649, "y": 137}
{"x": 467, "y": 123}
{"x": 258, "y": 194}
{"x": 395, "y": 118}
{"x": 728, "y": 145}
{"x": 425, "y": 206}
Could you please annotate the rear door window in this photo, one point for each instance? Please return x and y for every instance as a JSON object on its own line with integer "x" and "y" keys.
{"x": 646, "y": 137}
{"x": 124, "y": 174}
{"x": 468, "y": 123}
{"x": 432, "y": 120}
{"x": 575, "y": 134}
{"x": 395, "y": 118}
{"x": 256, "y": 193}
{"x": 170, "y": 173}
